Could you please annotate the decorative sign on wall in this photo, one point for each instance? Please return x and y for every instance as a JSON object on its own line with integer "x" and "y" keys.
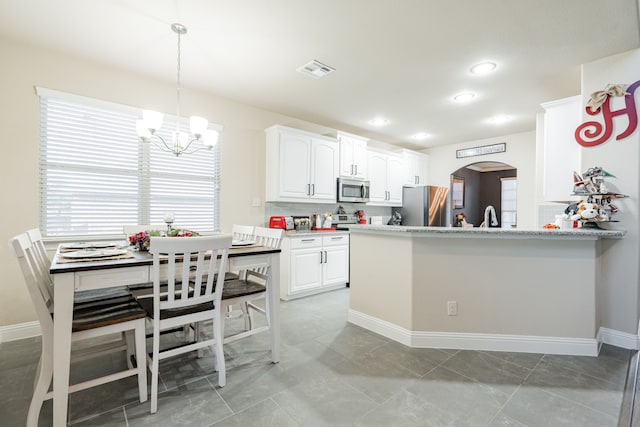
{"x": 592, "y": 133}
{"x": 482, "y": 150}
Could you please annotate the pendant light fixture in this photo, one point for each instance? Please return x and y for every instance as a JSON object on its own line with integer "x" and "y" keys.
{"x": 181, "y": 143}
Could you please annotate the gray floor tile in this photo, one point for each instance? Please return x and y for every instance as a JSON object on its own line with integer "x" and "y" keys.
{"x": 590, "y": 391}
{"x": 537, "y": 408}
{"x": 502, "y": 420}
{"x": 407, "y": 409}
{"x": 488, "y": 369}
{"x": 607, "y": 366}
{"x": 471, "y": 403}
{"x": 115, "y": 418}
{"x": 352, "y": 341}
{"x": 526, "y": 360}
{"x": 193, "y": 404}
{"x": 417, "y": 360}
{"x": 263, "y": 414}
{"x": 324, "y": 401}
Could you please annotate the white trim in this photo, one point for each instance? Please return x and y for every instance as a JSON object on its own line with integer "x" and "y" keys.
{"x": 477, "y": 341}
{"x": 619, "y": 339}
{"x": 19, "y": 331}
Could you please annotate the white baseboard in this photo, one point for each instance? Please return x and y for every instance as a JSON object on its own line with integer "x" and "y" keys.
{"x": 619, "y": 339}
{"x": 477, "y": 341}
{"x": 19, "y": 331}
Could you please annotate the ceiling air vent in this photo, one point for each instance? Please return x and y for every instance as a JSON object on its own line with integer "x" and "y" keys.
{"x": 315, "y": 69}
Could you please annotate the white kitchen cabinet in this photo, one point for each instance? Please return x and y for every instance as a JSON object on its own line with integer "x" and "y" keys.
{"x": 313, "y": 263}
{"x": 561, "y": 152}
{"x": 386, "y": 177}
{"x": 301, "y": 166}
{"x": 353, "y": 156}
{"x": 415, "y": 167}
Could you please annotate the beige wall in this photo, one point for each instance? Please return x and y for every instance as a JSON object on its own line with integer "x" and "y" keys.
{"x": 521, "y": 152}
{"x": 618, "y": 295}
{"x": 24, "y": 67}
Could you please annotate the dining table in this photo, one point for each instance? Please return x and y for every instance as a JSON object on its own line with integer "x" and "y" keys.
{"x": 128, "y": 267}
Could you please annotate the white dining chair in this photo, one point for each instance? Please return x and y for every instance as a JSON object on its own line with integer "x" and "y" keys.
{"x": 251, "y": 286}
{"x": 177, "y": 261}
{"x": 242, "y": 232}
{"x": 91, "y": 319}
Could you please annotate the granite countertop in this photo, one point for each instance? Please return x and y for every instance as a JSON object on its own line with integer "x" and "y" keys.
{"x": 495, "y": 233}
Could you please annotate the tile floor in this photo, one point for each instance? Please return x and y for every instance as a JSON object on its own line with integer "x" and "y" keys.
{"x": 335, "y": 374}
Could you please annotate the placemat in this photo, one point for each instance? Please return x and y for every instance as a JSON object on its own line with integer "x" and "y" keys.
{"x": 62, "y": 260}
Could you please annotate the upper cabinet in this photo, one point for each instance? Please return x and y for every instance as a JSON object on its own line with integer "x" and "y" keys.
{"x": 353, "y": 155}
{"x": 415, "y": 167}
{"x": 301, "y": 166}
{"x": 386, "y": 177}
{"x": 561, "y": 152}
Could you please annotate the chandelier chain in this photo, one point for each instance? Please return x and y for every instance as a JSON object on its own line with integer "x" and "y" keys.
{"x": 178, "y": 88}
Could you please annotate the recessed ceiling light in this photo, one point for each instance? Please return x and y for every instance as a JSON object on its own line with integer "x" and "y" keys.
{"x": 420, "y": 136}
{"x": 464, "y": 97}
{"x": 379, "y": 121}
{"x": 500, "y": 119}
{"x": 483, "y": 68}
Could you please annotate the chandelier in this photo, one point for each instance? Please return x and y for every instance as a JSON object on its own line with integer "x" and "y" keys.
{"x": 181, "y": 143}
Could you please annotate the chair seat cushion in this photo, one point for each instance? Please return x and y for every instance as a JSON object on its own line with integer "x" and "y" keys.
{"x": 145, "y": 290}
{"x": 147, "y": 305}
{"x": 99, "y": 313}
{"x": 241, "y": 288}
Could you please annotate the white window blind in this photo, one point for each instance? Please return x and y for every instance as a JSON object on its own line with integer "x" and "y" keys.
{"x": 95, "y": 175}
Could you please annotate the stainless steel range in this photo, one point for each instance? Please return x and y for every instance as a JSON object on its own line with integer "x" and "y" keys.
{"x": 341, "y": 221}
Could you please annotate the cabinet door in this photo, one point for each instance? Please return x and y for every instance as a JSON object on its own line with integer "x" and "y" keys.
{"x": 415, "y": 166}
{"x": 335, "y": 269}
{"x": 295, "y": 174}
{"x": 324, "y": 170}
{"x": 360, "y": 158}
{"x": 377, "y": 177}
{"x": 395, "y": 180}
{"x": 346, "y": 156}
{"x": 306, "y": 269}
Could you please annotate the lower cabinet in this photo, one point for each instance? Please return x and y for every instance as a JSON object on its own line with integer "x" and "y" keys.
{"x": 313, "y": 263}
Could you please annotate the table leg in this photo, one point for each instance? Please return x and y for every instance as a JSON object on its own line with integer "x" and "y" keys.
{"x": 273, "y": 299}
{"x": 62, "y": 318}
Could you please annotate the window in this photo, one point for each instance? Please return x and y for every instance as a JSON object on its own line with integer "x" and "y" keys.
{"x": 508, "y": 216}
{"x": 95, "y": 175}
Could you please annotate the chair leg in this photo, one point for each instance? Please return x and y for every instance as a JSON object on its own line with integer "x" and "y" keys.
{"x": 131, "y": 342}
{"x": 154, "y": 366}
{"x": 219, "y": 350}
{"x": 196, "y": 331}
{"x": 141, "y": 359}
{"x": 43, "y": 380}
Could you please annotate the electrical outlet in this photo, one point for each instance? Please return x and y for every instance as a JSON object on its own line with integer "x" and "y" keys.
{"x": 452, "y": 308}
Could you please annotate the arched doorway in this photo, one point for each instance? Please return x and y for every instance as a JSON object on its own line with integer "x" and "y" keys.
{"x": 478, "y": 185}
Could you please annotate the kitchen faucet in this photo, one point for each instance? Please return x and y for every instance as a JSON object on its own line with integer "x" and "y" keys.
{"x": 490, "y": 210}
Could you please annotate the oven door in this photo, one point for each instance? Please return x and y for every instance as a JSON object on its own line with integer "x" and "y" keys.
{"x": 353, "y": 190}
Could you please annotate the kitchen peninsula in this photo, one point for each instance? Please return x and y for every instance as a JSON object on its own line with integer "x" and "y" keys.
{"x": 484, "y": 289}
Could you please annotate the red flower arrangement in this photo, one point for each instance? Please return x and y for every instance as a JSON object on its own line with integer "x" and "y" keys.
{"x": 141, "y": 240}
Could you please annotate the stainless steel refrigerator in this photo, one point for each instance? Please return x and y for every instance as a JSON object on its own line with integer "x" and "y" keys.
{"x": 424, "y": 206}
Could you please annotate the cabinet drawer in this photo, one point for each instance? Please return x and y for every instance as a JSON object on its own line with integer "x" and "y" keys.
{"x": 306, "y": 242}
{"x": 342, "y": 239}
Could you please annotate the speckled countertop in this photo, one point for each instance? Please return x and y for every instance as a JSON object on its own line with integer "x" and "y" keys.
{"x": 494, "y": 233}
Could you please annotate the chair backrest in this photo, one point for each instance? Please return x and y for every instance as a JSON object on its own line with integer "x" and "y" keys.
{"x": 133, "y": 229}
{"x": 186, "y": 262}
{"x": 269, "y": 237}
{"x": 42, "y": 262}
{"x": 242, "y": 232}
{"x": 37, "y": 285}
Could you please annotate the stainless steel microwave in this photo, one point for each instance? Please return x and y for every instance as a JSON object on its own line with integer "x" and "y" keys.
{"x": 353, "y": 190}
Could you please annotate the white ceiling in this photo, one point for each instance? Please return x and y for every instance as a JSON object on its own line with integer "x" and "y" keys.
{"x": 403, "y": 60}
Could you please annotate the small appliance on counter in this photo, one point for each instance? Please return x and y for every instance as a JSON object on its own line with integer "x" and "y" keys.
{"x": 283, "y": 222}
